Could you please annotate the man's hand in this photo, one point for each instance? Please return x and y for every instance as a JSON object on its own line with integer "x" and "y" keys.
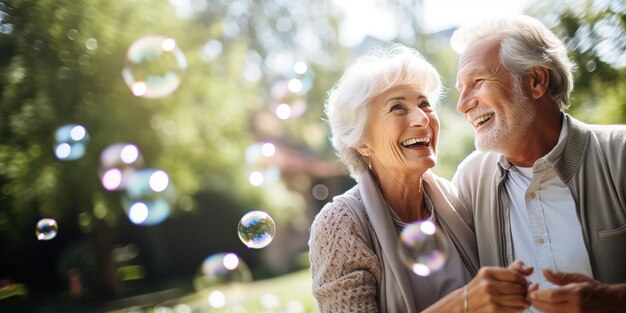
{"x": 578, "y": 293}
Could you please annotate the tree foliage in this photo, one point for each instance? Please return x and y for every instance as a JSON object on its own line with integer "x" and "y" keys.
{"x": 61, "y": 62}
{"x": 594, "y": 32}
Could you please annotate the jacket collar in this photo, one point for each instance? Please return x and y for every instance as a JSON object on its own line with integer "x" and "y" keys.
{"x": 568, "y": 161}
{"x": 577, "y": 141}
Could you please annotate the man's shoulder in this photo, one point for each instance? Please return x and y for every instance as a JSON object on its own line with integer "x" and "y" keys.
{"x": 604, "y": 132}
{"x": 480, "y": 160}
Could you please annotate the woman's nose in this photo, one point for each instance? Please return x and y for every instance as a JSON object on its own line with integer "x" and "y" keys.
{"x": 419, "y": 118}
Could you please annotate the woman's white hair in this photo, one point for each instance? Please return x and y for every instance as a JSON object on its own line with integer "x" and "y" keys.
{"x": 347, "y": 103}
{"x": 524, "y": 42}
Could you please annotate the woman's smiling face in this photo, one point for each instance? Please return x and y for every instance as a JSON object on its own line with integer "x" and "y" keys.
{"x": 402, "y": 131}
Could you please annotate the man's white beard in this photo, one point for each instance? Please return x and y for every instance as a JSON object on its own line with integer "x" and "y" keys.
{"x": 509, "y": 125}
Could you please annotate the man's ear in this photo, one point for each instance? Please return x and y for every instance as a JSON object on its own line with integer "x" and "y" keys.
{"x": 538, "y": 81}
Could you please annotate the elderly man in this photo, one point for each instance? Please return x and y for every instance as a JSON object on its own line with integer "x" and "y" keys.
{"x": 544, "y": 187}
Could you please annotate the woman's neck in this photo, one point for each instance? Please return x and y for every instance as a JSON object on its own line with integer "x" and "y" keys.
{"x": 405, "y": 196}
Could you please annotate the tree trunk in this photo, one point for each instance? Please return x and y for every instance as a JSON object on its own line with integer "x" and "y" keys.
{"x": 105, "y": 273}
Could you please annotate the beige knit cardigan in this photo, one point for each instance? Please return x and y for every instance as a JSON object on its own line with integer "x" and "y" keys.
{"x": 352, "y": 248}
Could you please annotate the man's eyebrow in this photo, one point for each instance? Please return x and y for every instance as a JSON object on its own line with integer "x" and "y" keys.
{"x": 465, "y": 72}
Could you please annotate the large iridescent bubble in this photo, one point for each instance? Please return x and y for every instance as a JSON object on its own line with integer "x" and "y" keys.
{"x": 423, "y": 247}
{"x": 256, "y": 229}
{"x": 154, "y": 65}
{"x": 71, "y": 142}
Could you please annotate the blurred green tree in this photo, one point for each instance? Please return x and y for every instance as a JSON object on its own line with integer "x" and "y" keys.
{"x": 61, "y": 63}
{"x": 594, "y": 32}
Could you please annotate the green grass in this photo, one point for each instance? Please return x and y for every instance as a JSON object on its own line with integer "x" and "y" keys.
{"x": 289, "y": 293}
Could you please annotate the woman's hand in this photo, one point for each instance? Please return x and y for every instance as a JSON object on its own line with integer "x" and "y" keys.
{"x": 497, "y": 289}
{"x": 494, "y": 289}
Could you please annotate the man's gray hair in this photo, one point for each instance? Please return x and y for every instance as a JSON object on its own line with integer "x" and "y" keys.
{"x": 347, "y": 103}
{"x": 525, "y": 43}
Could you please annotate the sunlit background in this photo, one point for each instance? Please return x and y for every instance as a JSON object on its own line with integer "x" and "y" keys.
{"x": 169, "y": 156}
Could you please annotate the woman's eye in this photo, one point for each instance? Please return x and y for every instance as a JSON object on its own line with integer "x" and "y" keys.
{"x": 424, "y": 105}
{"x": 396, "y": 107}
{"x": 478, "y": 81}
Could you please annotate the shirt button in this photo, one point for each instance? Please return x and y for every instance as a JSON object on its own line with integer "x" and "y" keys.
{"x": 532, "y": 195}
{"x": 540, "y": 240}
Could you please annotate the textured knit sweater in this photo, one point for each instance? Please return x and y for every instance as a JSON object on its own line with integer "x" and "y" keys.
{"x": 352, "y": 273}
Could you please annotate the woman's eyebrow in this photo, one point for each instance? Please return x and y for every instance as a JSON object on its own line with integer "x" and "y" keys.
{"x": 403, "y": 98}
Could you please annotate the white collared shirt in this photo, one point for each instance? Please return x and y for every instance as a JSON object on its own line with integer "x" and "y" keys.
{"x": 545, "y": 229}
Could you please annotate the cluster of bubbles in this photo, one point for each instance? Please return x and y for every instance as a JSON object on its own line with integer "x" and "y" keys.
{"x": 153, "y": 69}
{"x": 148, "y": 193}
{"x": 423, "y": 247}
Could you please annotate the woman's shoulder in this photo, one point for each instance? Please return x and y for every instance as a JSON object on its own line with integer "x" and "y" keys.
{"x": 340, "y": 209}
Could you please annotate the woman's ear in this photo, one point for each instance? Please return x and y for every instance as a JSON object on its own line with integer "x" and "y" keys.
{"x": 538, "y": 81}
{"x": 364, "y": 149}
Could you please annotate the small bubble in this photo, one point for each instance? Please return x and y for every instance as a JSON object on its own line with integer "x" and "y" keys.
{"x": 256, "y": 229}
{"x": 47, "y": 228}
{"x": 91, "y": 44}
{"x": 72, "y": 34}
{"x": 71, "y": 140}
{"x": 320, "y": 192}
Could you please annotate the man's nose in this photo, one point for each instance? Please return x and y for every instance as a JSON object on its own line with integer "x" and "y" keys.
{"x": 466, "y": 102}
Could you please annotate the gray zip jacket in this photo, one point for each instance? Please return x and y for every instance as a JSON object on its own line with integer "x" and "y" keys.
{"x": 593, "y": 165}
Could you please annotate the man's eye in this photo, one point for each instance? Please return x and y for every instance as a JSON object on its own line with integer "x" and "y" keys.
{"x": 479, "y": 81}
{"x": 424, "y": 104}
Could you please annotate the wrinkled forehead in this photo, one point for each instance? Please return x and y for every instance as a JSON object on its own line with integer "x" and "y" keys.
{"x": 478, "y": 56}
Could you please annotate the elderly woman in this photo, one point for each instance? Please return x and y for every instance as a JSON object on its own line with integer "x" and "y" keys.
{"x": 385, "y": 129}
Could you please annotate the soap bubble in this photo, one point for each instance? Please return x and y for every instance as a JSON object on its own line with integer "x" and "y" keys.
{"x": 154, "y": 65}
{"x": 71, "y": 141}
{"x": 423, "y": 247}
{"x": 288, "y": 101}
{"x": 222, "y": 276}
{"x": 320, "y": 192}
{"x": 117, "y": 163}
{"x": 47, "y": 228}
{"x": 261, "y": 159}
{"x": 149, "y": 197}
{"x": 256, "y": 229}
{"x": 301, "y": 78}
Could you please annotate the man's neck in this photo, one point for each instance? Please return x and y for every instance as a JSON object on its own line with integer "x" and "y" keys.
{"x": 542, "y": 138}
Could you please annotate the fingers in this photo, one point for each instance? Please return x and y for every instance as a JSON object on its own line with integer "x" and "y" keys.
{"x": 498, "y": 290}
{"x": 563, "y": 278}
{"x": 551, "y": 295}
{"x": 550, "y": 307}
{"x": 521, "y": 268}
{"x": 502, "y": 274}
{"x": 553, "y": 300}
